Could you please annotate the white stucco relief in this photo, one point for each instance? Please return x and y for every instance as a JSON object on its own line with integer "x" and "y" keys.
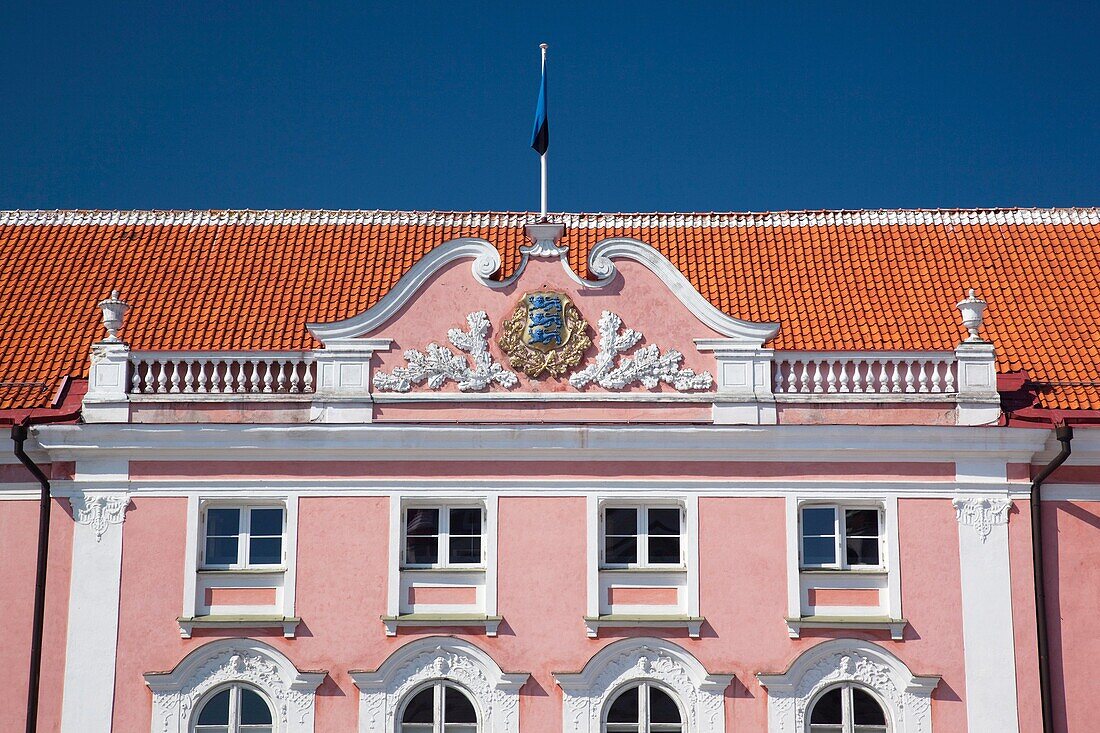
{"x": 585, "y": 694}
{"x": 178, "y": 694}
{"x": 99, "y": 511}
{"x": 982, "y": 513}
{"x": 494, "y": 693}
{"x": 905, "y": 696}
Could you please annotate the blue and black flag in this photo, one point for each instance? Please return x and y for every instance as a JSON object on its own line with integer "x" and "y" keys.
{"x": 540, "y": 135}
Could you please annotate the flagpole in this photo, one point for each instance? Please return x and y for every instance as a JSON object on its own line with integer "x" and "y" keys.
{"x": 542, "y": 157}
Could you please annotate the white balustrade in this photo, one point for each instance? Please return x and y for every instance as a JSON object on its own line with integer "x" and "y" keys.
{"x": 842, "y": 373}
{"x": 226, "y": 373}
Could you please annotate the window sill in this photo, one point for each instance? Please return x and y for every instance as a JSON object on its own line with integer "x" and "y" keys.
{"x": 444, "y": 569}
{"x": 469, "y": 620}
{"x": 593, "y": 624}
{"x": 896, "y": 626}
{"x": 840, "y": 571}
{"x": 288, "y": 624}
{"x": 646, "y": 569}
{"x": 242, "y": 571}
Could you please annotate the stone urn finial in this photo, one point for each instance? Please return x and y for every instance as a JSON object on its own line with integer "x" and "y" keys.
{"x": 114, "y": 311}
{"x": 972, "y": 309}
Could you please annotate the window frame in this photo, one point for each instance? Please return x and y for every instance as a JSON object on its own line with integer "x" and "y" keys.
{"x": 840, "y": 536}
{"x": 235, "y": 687}
{"x": 644, "y": 724}
{"x": 642, "y": 528}
{"x": 847, "y": 707}
{"x": 244, "y": 535}
{"x": 443, "y": 535}
{"x": 439, "y": 724}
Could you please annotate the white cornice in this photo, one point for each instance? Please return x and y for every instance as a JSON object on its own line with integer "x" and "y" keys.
{"x": 878, "y": 217}
{"x": 540, "y": 442}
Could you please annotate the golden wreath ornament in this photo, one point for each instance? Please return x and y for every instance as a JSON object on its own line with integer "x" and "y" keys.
{"x": 545, "y": 334}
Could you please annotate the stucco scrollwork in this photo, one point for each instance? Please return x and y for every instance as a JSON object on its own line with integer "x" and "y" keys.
{"x": 437, "y": 364}
{"x": 177, "y": 694}
{"x": 982, "y": 513}
{"x": 906, "y": 697}
{"x": 647, "y": 366}
{"x": 587, "y": 693}
{"x": 495, "y": 694}
{"x": 99, "y": 511}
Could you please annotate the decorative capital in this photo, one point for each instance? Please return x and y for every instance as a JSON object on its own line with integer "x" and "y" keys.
{"x": 99, "y": 510}
{"x": 973, "y": 310}
{"x": 544, "y": 238}
{"x": 982, "y": 513}
{"x": 114, "y": 312}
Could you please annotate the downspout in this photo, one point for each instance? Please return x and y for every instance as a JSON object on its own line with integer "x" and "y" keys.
{"x": 1064, "y": 434}
{"x": 19, "y": 435}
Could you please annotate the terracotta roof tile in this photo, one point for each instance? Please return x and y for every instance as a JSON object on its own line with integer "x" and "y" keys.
{"x": 834, "y": 280}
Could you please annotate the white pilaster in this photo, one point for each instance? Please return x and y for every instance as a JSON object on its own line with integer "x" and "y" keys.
{"x": 90, "y": 647}
{"x": 106, "y": 400}
{"x": 343, "y": 380}
{"x": 988, "y": 643}
{"x": 744, "y": 376}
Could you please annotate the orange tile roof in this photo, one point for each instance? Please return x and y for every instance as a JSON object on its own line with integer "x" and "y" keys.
{"x": 834, "y": 280}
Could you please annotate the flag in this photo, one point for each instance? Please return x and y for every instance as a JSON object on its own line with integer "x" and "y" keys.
{"x": 540, "y": 135}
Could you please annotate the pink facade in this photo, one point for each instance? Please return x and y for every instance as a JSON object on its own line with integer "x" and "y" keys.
{"x": 740, "y": 530}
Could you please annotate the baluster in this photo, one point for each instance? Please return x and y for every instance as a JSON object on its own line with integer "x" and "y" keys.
{"x": 894, "y": 377}
{"x": 949, "y": 378}
{"x": 189, "y": 377}
{"x": 281, "y": 386}
{"x": 831, "y": 378}
{"x": 215, "y": 377}
{"x": 255, "y": 385}
{"x": 268, "y": 367}
{"x": 308, "y": 377}
{"x": 861, "y": 370}
{"x": 777, "y": 385}
{"x": 819, "y": 366}
{"x": 162, "y": 378}
{"x": 922, "y": 375}
{"x": 910, "y": 375}
{"x": 844, "y": 379}
{"x": 803, "y": 379}
{"x": 242, "y": 377}
{"x": 936, "y": 377}
{"x": 135, "y": 381}
{"x": 294, "y": 378}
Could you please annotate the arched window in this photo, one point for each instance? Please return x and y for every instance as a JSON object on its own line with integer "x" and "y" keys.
{"x": 235, "y": 709}
{"x": 847, "y": 709}
{"x": 643, "y": 708}
{"x": 439, "y": 708}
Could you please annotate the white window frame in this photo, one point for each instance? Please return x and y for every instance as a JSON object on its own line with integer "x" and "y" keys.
{"x": 642, "y": 528}
{"x": 443, "y": 538}
{"x": 243, "y": 535}
{"x": 234, "y": 706}
{"x": 644, "y": 725}
{"x": 846, "y": 707}
{"x": 439, "y": 725}
{"x": 840, "y": 535}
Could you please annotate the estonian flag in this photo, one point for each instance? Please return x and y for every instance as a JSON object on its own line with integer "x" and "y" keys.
{"x": 540, "y": 135}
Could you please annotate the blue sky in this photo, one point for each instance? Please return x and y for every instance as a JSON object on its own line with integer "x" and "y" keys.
{"x": 653, "y": 105}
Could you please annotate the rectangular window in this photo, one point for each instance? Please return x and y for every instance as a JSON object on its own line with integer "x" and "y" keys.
{"x": 442, "y": 536}
{"x": 841, "y": 537}
{"x": 243, "y": 537}
{"x": 642, "y": 536}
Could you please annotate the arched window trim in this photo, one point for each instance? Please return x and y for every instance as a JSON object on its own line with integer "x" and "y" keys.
{"x": 443, "y": 681}
{"x": 905, "y": 697}
{"x": 645, "y": 659}
{"x": 614, "y": 694}
{"x": 382, "y": 692}
{"x": 177, "y": 694}
{"x": 209, "y": 694}
{"x": 854, "y": 685}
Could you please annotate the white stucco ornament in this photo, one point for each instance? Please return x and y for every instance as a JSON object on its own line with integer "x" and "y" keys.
{"x": 99, "y": 511}
{"x": 439, "y": 364}
{"x": 982, "y": 513}
{"x": 646, "y": 366}
{"x": 114, "y": 313}
{"x": 973, "y": 310}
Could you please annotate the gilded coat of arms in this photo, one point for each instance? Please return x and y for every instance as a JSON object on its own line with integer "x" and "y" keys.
{"x": 546, "y": 333}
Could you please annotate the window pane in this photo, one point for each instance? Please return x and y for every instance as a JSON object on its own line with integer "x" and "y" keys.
{"x": 421, "y": 708}
{"x": 421, "y": 550}
{"x": 457, "y": 708}
{"x": 265, "y": 550}
{"x": 862, "y": 552}
{"x": 662, "y": 709}
{"x": 861, "y": 523}
{"x": 465, "y": 549}
{"x": 254, "y": 711}
{"x": 267, "y": 522}
{"x": 621, "y": 550}
{"x": 818, "y": 521}
{"x": 466, "y": 521}
{"x": 422, "y": 522}
{"x": 818, "y": 551}
{"x": 220, "y": 522}
{"x": 621, "y": 521}
{"x": 216, "y": 710}
{"x": 625, "y": 707}
{"x": 221, "y": 550}
{"x": 664, "y": 550}
{"x": 664, "y": 521}
{"x": 827, "y": 710}
{"x": 865, "y": 709}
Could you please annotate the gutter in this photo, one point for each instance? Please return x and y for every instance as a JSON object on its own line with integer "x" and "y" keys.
{"x": 1064, "y": 434}
{"x": 19, "y": 433}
